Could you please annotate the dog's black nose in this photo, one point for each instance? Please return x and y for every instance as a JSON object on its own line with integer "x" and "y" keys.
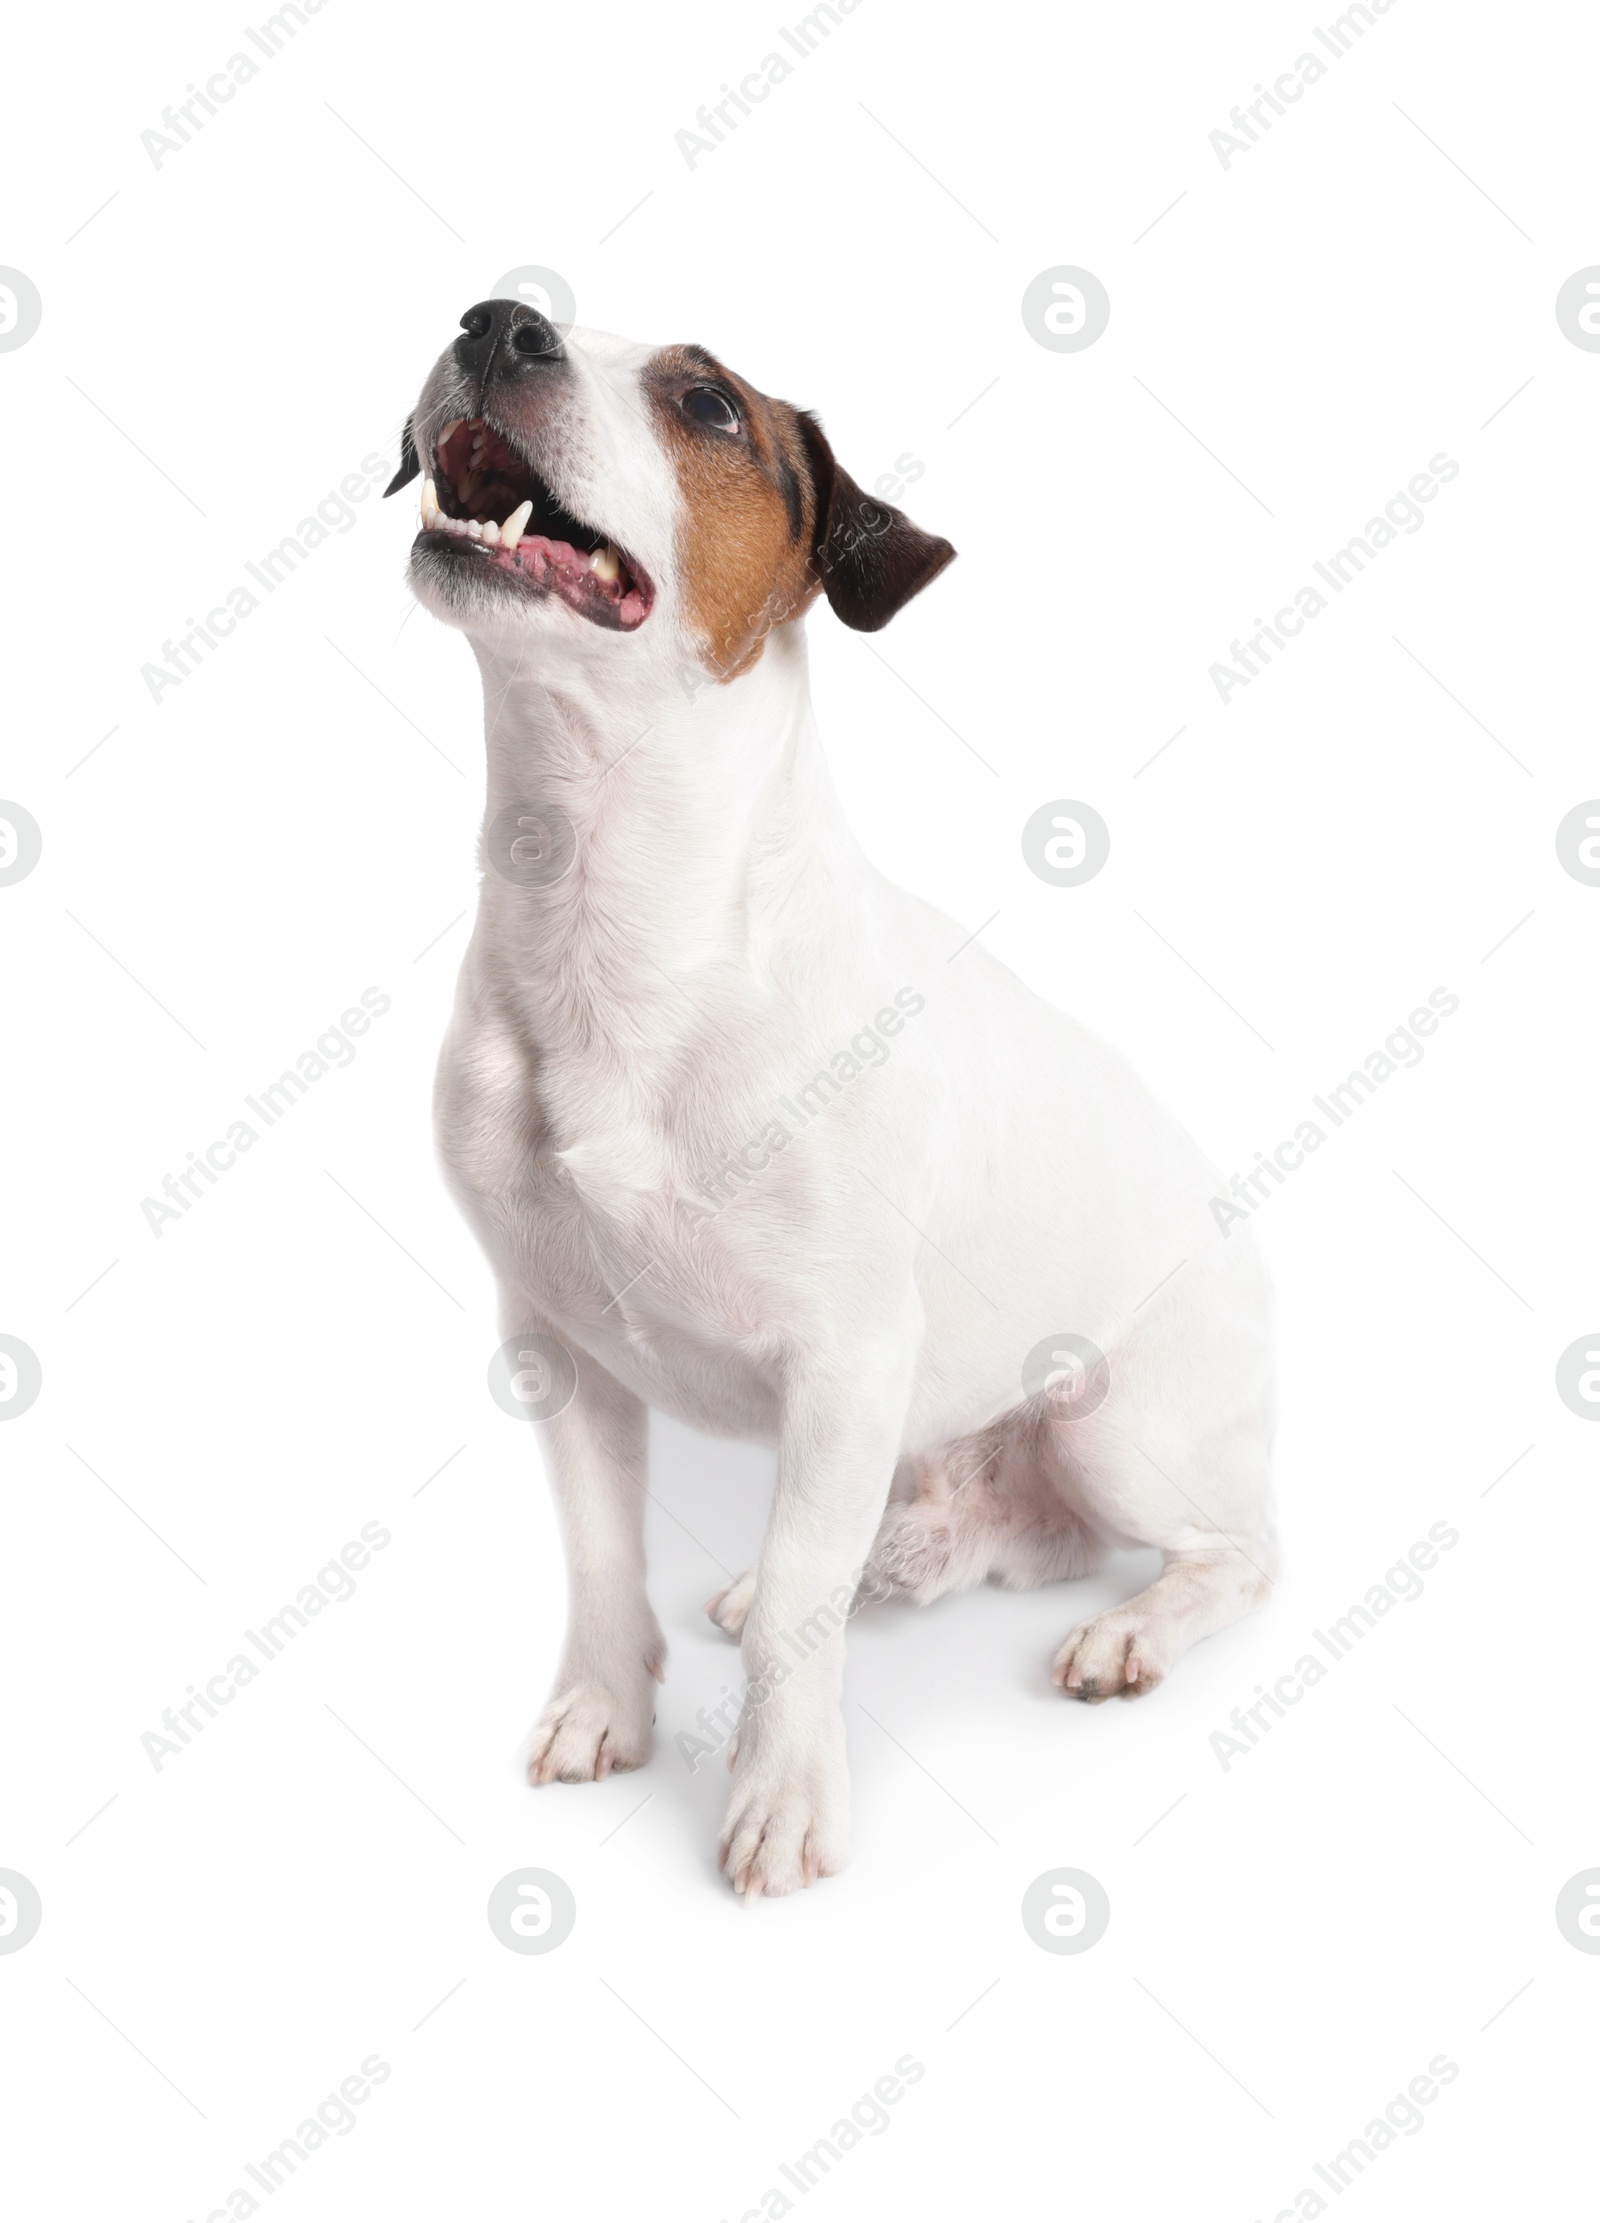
{"x": 505, "y": 339}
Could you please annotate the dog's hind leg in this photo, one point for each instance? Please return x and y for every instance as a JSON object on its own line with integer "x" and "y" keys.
{"x": 986, "y": 1508}
{"x": 982, "y": 1509}
{"x": 1188, "y": 1474}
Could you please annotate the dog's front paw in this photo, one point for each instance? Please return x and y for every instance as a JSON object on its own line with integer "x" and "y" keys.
{"x": 1120, "y": 1654}
{"x": 589, "y": 1729}
{"x": 786, "y": 1825}
{"x": 730, "y": 1608}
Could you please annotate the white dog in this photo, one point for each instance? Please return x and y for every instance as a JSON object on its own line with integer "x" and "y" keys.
{"x": 751, "y": 1134}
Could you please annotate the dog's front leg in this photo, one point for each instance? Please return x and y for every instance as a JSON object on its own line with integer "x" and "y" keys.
{"x": 603, "y": 1702}
{"x": 788, "y": 1817}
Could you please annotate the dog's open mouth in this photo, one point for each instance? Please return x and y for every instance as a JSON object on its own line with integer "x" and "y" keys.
{"x": 487, "y": 505}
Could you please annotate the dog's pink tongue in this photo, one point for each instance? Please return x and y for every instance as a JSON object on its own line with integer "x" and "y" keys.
{"x": 557, "y": 563}
{"x": 543, "y": 555}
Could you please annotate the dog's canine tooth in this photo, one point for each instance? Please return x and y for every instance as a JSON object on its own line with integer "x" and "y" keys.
{"x": 515, "y": 525}
{"x": 453, "y": 427}
{"x": 431, "y": 515}
{"x": 603, "y": 563}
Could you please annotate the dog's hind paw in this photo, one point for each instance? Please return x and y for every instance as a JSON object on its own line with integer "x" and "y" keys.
{"x": 730, "y": 1608}
{"x": 1120, "y": 1654}
{"x": 912, "y": 1555}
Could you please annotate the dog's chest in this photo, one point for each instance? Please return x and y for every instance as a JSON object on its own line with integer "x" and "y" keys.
{"x": 574, "y": 1185}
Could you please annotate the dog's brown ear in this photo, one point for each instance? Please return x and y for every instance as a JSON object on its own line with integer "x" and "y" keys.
{"x": 410, "y": 463}
{"x": 868, "y": 555}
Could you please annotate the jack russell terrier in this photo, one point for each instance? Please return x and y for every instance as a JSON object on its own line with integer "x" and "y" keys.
{"x": 751, "y": 1135}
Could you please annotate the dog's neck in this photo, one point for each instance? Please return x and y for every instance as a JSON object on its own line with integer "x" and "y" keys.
{"x": 700, "y": 812}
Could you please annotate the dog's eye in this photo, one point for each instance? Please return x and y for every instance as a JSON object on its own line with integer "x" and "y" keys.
{"x": 708, "y": 407}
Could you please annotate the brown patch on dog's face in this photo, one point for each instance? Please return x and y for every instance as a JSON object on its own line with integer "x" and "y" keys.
{"x": 749, "y": 502}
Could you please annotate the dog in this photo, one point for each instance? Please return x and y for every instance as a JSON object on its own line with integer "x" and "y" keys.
{"x": 751, "y": 1135}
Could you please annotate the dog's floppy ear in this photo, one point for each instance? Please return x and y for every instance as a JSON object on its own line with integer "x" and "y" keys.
{"x": 410, "y": 463}
{"x": 868, "y": 555}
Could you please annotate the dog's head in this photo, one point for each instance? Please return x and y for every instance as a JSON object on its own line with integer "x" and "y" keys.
{"x": 586, "y": 489}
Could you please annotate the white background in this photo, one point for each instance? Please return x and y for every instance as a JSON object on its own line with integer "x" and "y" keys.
{"x": 1293, "y": 1939}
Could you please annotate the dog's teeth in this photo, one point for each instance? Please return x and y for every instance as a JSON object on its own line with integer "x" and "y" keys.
{"x": 489, "y": 534}
{"x": 603, "y": 563}
{"x": 474, "y": 529}
{"x": 430, "y": 505}
{"x": 516, "y": 525}
{"x": 449, "y": 432}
